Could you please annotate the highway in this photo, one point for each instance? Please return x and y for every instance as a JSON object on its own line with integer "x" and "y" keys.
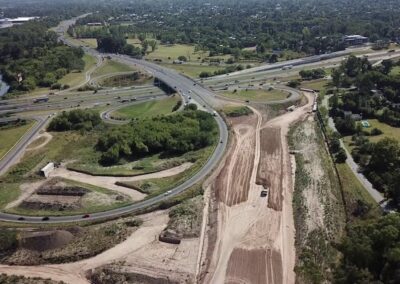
{"x": 15, "y": 153}
{"x": 181, "y": 84}
{"x": 200, "y": 94}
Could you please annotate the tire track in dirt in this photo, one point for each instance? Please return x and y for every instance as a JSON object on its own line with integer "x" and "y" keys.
{"x": 255, "y": 238}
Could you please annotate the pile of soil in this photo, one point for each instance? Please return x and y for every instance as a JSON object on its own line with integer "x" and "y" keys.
{"x": 57, "y": 195}
{"x": 57, "y": 187}
{"x": 52, "y": 202}
{"x": 45, "y": 240}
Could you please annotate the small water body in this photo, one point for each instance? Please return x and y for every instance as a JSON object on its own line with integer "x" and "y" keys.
{"x": 3, "y": 87}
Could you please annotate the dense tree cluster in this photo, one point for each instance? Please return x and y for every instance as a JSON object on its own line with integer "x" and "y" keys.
{"x": 226, "y": 27}
{"x": 371, "y": 91}
{"x": 312, "y": 74}
{"x": 75, "y": 120}
{"x": 371, "y": 252}
{"x": 173, "y": 134}
{"x": 31, "y": 56}
{"x": 115, "y": 43}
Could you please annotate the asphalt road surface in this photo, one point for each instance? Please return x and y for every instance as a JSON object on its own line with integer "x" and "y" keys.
{"x": 183, "y": 85}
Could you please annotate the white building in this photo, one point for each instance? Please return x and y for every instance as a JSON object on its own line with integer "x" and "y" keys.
{"x": 46, "y": 170}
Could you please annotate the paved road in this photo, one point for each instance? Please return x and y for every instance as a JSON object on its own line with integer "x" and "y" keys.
{"x": 183, "y": 85}
{"x": 376, "y": 195}
{"x": 15, "y": 153}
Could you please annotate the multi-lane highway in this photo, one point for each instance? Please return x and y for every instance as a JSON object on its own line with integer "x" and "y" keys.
{"x": 183, "y": 85}
{"x": 202, "y": 95}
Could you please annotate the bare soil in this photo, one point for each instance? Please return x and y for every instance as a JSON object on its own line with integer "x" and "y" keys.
{"x": 254, "y": 240}
{"x": 109, "y": 182}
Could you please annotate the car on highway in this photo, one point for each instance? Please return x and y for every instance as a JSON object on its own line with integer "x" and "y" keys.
{"x": 86, "y": 216}
{"x": 168, "y": 192}
{"x": 46, "y": 218}
{"x": 21, "y": 219}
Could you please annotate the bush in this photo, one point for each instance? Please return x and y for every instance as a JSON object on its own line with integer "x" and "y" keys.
{"x": 293, "y": 83}
{"x": 376, "y": 132}
{"x": 341, "y": 156}
{"x": 75, "y": 120}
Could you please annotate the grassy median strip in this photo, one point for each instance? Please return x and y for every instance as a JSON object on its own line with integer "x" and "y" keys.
{"x": 9, "y": 136}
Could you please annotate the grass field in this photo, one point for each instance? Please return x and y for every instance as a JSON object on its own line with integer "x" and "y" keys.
{"x": 91, "y": 42}
{"x": 259, "y": 95}
{"x": 395, "y": 71}
{"x": 10, "y": 136}
{"x": 172, "y": 52}
{"x": 388, "y": 131}
{"x": 75, "y": 78}
{"x": 352, "y": 187}
{"x": 193, "y": 70}
{"x": 148, "y": 109}
{"x": 315, "y": 84}
{"x": 110, "y": 66}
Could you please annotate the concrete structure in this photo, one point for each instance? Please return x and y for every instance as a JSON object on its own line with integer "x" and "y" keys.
{"x": 46, "y": 170}
{"x": 355, "y": 39}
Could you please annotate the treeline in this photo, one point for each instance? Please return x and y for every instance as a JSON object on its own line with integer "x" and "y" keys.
{"x": 372, "y": 92}
{"x": 226, "y": 27}
{"x": 75, "y": 120}
{"x": 117, "y": 44}
{"x": 174, "y": 134}
{"x": 371, "y": 252}
{"x": 226, "y": 70}
{"x": 31, "y": 56}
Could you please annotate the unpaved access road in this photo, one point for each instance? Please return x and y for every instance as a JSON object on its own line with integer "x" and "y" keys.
{"x": 109, "y": 181}
{"x": 255, "y": 235}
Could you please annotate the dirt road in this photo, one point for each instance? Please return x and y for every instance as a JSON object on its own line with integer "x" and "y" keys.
{"x": 109, "y": 181}
{"x": 255, "y": 235}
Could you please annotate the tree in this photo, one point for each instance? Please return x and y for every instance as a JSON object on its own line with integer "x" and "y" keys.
{"x": 182, "y": 58}
{"x": 273, "y": 58}
{"x": 341, "y": 156}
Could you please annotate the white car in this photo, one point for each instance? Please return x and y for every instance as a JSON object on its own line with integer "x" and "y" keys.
{"x": 168, "y": 192}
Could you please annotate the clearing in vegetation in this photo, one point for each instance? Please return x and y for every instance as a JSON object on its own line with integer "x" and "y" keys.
{"x": 111, "y": 66}
{"x": 126, "y": 80}
{"x": 76, "y": 77}
{"x": 193, "y": 70}
{"x": 148, "y": 109}
{"x": 259, "y": 95}
{"x": 10, "y": 134}
{"x": 168, "y": 53}
{"x": 59, "y": 196}
{"x": 318, "y": 205}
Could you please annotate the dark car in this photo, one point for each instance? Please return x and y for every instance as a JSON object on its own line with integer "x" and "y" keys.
{"x": 21, "y": 219}
{"x": 45, "y": 218}
{"x": 86, "y": 216}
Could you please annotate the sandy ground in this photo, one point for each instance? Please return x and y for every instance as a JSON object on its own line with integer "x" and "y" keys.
{"x": 255, "y": 235}
{"x": 140, "y": 253}
{"x": 109, "y": 182}
{"x": 47, "y": 137}
{"x": 27, "y": 189}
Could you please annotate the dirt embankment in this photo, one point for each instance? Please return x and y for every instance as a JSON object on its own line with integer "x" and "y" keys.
{"x": 270, "y": 171}
{"x": 254, "y": 240}
{"x": 232, "y": 184}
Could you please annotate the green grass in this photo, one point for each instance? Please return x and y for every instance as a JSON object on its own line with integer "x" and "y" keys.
{"x": 395, "y": 71}
{"x": 315, "y": 84}
{"x": 10, "y": 136}
{"x": 110, "y": 66}
{"x": 388, "y": 131}
{"x": 154, "y": 187}
{"x": 235, "y": 111}
{"x": 193, "y": 70}
{"x": 148, "y": 109}
{"x": 352, "y": 187}
{"x": 88, "y": 206}
{"x": 257, "y": 95}
{"x": 75, "y": 78}
{"x": 91, "y": 42}
{"x": 172, "y": 52}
